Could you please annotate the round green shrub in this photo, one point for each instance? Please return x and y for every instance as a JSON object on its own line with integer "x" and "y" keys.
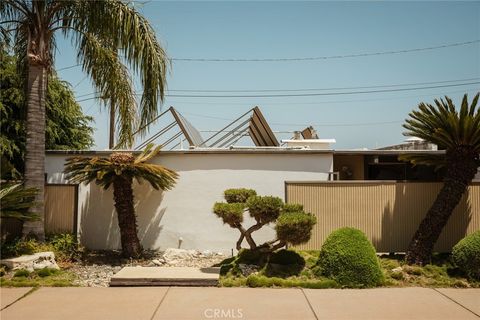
{"x": 238, "y": 195}
{"x": 295, "y": 227}
{"x": 466, "y": 255}
{"x": 348, "y": 257}
{"x": 264, "y": 209}
{"x": 230, "y": 213}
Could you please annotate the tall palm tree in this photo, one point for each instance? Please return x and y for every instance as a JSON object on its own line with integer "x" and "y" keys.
{"x": 458, "y": 133}
{"x": 105, "y": 34}
{"x": 119, "y": 170}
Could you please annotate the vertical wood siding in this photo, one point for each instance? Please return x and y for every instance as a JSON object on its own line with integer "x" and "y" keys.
{"x": 60, "y": 207}
{"x": 388, "y": 212}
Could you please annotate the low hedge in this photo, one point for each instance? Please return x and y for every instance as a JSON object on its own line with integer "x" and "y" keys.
{"x": 466, "y": 255}
{"x": 348, "y": 257}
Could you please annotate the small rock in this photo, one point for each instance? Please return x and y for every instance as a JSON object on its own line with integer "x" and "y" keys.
{"x": 397, "y": 269}
{"x": 248, "y": 269}
{"x": 32, "y": 262}
{"x": 157, "y": 262}
{"x": 175, "y": 254}
{"x": 207, "y": 253}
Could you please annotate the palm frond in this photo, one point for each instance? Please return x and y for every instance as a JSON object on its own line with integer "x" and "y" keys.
{"x": 112, "y": 79}
{"x": 444, "y": 125}
{"x": 104, "y": 170}
{"x": 16, "y": 201}
{"x": 119, "y": 25}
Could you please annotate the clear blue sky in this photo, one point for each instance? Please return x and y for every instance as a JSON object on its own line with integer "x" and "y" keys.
{"x": 306, "y": 29}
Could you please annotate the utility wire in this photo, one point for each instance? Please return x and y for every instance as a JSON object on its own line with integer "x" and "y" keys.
{"x": 332, "y": 88}
{"x": 356, "y": 55}
{"x": 310, "y": 89}
{"x": 268, "y": 104}
{"x": 320, "y": 94}
{"x": 312, "y": 94}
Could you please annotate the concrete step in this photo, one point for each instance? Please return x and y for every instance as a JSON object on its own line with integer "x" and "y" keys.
{"x": 165, "y": 276}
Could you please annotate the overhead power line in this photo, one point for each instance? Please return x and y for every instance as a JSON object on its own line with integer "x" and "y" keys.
{"x": 316, "y": 94}
{"x": 311, "y": 89}
{"x": 355, "y": 55}
{"x": 320, "y": 94}
{"x": 331, "y": 88}
{"x": 343, "y": 56}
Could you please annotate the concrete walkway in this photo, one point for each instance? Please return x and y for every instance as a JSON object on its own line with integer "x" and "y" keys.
{"x": 239, "y": 303}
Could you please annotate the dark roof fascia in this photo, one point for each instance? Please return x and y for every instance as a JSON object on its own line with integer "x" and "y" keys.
{"x": 202, "y": 151}
{"x": 386, "y": 152}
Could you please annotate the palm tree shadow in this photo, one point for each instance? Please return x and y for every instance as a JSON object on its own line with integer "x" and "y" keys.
{"x": 149, "y": 214}
{"x": 99, "y": 224}
{"x": 401, "y": 219}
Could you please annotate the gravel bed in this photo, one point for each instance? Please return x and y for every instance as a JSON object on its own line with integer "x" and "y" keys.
{"x": 97, "y": 269}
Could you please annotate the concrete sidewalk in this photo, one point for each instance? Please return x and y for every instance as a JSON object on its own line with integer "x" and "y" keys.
{"x": 239, "y": 303}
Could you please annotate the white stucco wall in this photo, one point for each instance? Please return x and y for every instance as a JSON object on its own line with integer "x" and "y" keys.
{"x": 185, "y": 211}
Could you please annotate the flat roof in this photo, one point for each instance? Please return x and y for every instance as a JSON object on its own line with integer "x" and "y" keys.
{"x": 254, "y": 150}
{"x": 259, "y": 150}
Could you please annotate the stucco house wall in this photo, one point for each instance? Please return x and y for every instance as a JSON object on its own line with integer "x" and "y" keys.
{"x": 182, "y": 217}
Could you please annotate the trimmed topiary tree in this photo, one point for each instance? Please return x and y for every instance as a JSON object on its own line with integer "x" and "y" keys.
{"x": 466, "y": 255}
{"x": 348, "y": 257}
{"x": 293, "y": 225}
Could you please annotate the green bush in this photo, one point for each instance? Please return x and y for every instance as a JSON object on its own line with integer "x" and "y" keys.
{"x": 20, "y": 247}
{"x": 348, "y": 257}
{"x": 230, "y": 213}
{"x": 264, "y": 209}
{"x": 466, "y": 255}
{"x": 21, "y": 273}
{"x": 247, "y": 256}
{"x": 45, "y": 272}
{"x": 292, "y": 207}
{"x": 295, "y": 227}
{"x": 284, "y": 263}
{"x": 64, "y": 246}
{"x": 286, "y": 257}
{"x": 238, "y": 195}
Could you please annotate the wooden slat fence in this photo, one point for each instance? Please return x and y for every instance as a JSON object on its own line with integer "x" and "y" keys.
{"x": 388, "y": 212}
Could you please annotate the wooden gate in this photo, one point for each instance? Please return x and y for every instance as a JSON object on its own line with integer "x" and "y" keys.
{"x": 61, "y": 208}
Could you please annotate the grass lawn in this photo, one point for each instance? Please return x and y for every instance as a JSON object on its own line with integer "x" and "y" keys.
{"x": 441, "y": 273}
{"x": 39, "y": 278}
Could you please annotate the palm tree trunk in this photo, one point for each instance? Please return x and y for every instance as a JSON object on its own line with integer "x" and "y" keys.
{"x": 127, "y": 222}
{"x": 35, "y": 145}
{"x": 460, "y": 173}
{"x": 111, "y": 142}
